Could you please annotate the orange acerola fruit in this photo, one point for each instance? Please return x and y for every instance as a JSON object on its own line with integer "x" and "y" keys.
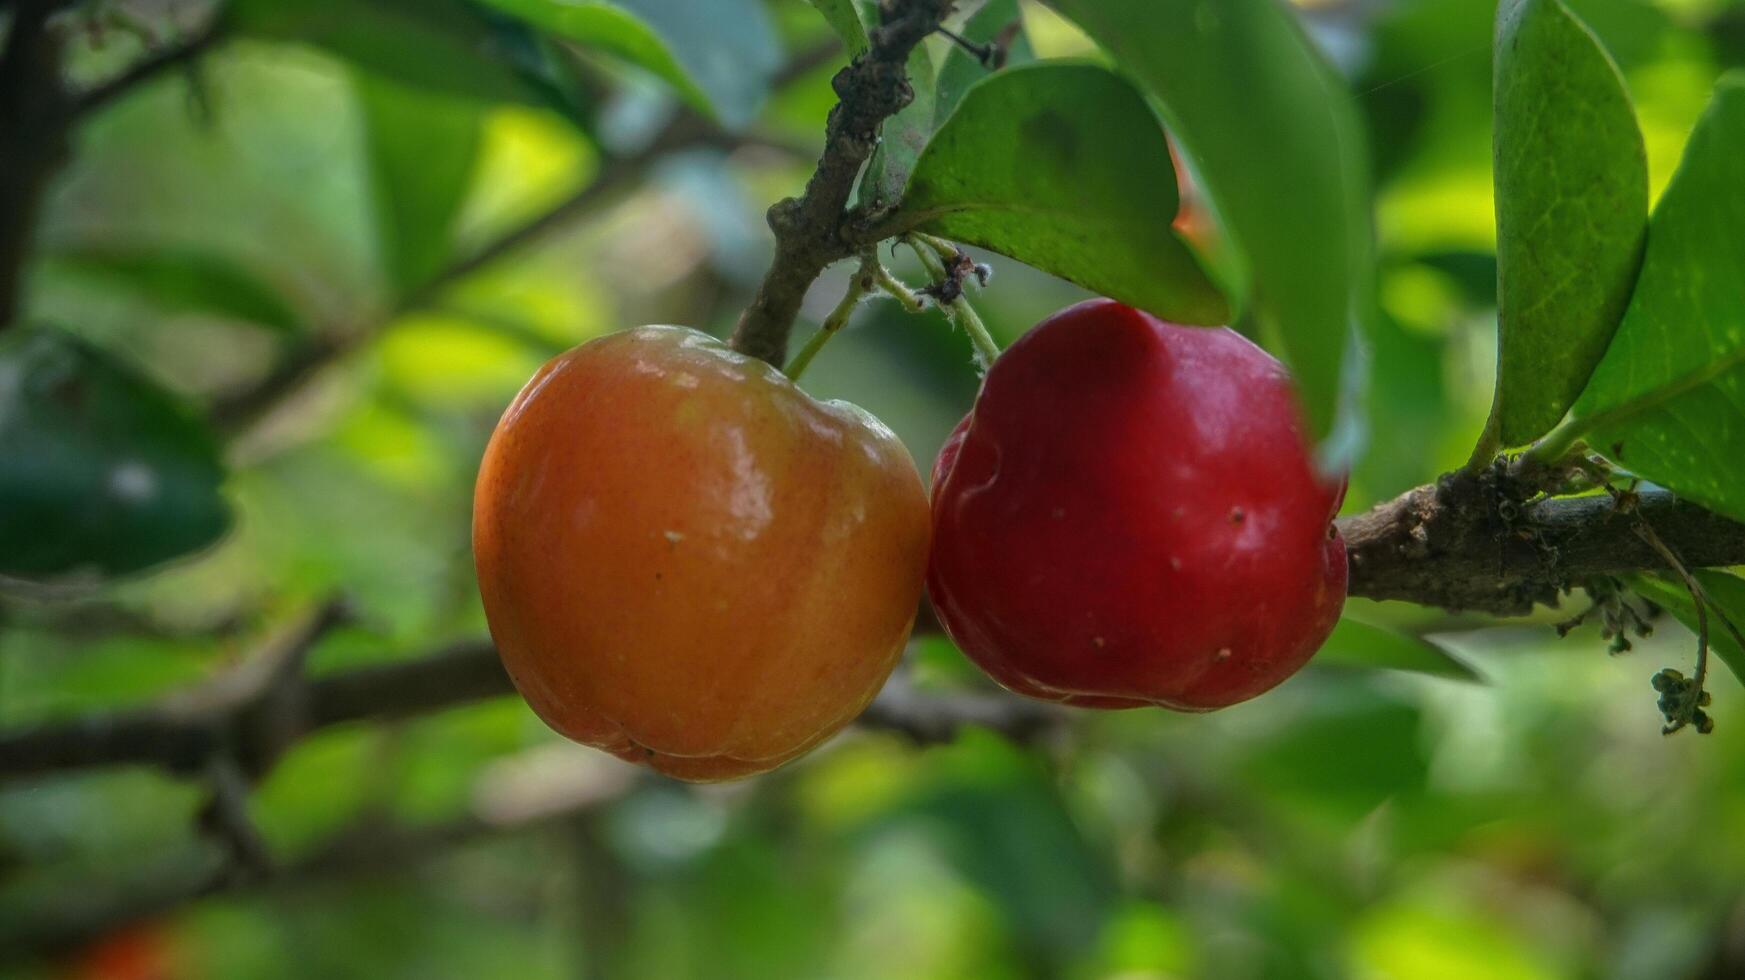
{"x": 689, "y": 562}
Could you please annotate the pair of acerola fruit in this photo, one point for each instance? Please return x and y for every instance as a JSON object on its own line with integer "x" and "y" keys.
{"x": 690, "y": 563}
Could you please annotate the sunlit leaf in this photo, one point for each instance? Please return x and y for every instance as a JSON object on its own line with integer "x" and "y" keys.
{"x": 1360, "y": 645}
{"x": 720, "y": 54}
{"x": 180, "y": 281}
{"x": 1668, "y": 399}
{"x": 1064, "y": 166}
{"x": 1572, "y": 212}
{"x": 1278, "y": 143}
{"x": 102, "y": 470}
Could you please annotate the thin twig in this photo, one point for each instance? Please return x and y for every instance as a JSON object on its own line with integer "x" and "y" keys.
{"x": 147, "y": 69}
{"x": 225, "y": 817}
{"x": 860, "y": 285}
{"x": 1646, "y": 533}
{"x": 809, "y": 229}
{"x": 240, "y": 410}
{"x": 947, "y": 288}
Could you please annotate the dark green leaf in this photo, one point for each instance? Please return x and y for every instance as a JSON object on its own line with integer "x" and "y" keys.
{"x": 1064, "y": 166}
{"x": 903, "y": 138}
{"x": 422, "y": 151}
{"x": 178, "y": 281}
{"x": 1572, "y": 212}
{"x": 720, "y": 54}
{"x": 1668, "y": 399}
{"x": 1277, "y": 140}
{"x": 439, "y": 45}
{"x": 1360, "y": 645}
{"x": 997, "y": 22}
{"x": 100, "y": 470}
{"x": 1726, "y": 593}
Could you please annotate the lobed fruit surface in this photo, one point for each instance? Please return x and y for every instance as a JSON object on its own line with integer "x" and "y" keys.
{"x": 1130, "y": 516}
{"x": 690, "y": 563}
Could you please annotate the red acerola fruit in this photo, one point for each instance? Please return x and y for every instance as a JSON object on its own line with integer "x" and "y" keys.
{"x": 1130, "y": 515}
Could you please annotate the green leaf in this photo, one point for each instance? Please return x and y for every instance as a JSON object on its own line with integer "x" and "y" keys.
{"x": 1572, "y": 212}
{"x": 1725, "y": 591}
{"x": 845, "y": 19}
{"x": 1063, "y": 165}
{"x": 903, "y": 138}
{"x": 423, "y": 148}
{"x": 1668, "y": 399}
{"x": 719, "y": 54}
{"x": 179, "y": 281}
{"x": 104, "y": 471}
{"x": 438, "y": 45}
{"x": 998, "y": 21}
{"x": 1277, "y": 141}
{"x": 1360, "y": 645}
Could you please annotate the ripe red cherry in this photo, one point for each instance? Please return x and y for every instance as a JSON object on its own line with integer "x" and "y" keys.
{"x": 1130, "y": 516}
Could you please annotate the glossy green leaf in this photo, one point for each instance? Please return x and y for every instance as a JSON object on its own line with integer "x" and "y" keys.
{"x": 439, "y": 45}
{"x": 719, "y": 54}
{"x": 1361, "y": 645}
{"x": 1572, "y": 212}
{"x": 179, "y": 281}
{"x": 903, "y": 138}
{"x": 1277, "y": 141}
{"x": 844, "y": 17}
{"x": 1064, "y": 166}
{"x": 1668, "y": 399}
{"x": 997, "y": 22}
{"x": 1725, "y": 591}
{"x": 100, "y": 470}
{"x": 423, "y": 149}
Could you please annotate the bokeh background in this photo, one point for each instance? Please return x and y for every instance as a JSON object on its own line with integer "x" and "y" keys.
{"x": 1364, "y": 824}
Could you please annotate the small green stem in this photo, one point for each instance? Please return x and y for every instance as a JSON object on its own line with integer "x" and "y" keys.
{"x": 1556, "y": 444}
{"x": 1490, "y": 442}
{"x": 945, "y": 249}
{"x": 959, "y": 310}
{"x": 865, "y": 281}
{"x": 904, "y": 296}
{"x": 986, "y": 349}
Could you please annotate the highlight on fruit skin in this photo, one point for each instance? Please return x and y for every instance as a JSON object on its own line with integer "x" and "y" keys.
{"x": 689, "y": 562}
{"x": 1131, "y": 515}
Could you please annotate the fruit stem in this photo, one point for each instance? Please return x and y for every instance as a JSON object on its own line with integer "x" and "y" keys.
{"x": 929, "y": 250}
{"x": 864, "y": 281}
{"x": 898, "y": 291}
{"x": 1490, "y": 442}
{"x": 1557, "y": 443}
{"x": 945, "y": 249}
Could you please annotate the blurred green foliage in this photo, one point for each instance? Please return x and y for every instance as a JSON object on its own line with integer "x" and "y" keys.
{"x": 331, "y": 160}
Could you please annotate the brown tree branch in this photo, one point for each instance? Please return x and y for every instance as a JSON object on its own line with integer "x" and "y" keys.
{"x": 182, "y": 734}
{"x": 809, "y": 229}
{"x": 1467, "y": 542}
{"x": 33, "y": 139}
